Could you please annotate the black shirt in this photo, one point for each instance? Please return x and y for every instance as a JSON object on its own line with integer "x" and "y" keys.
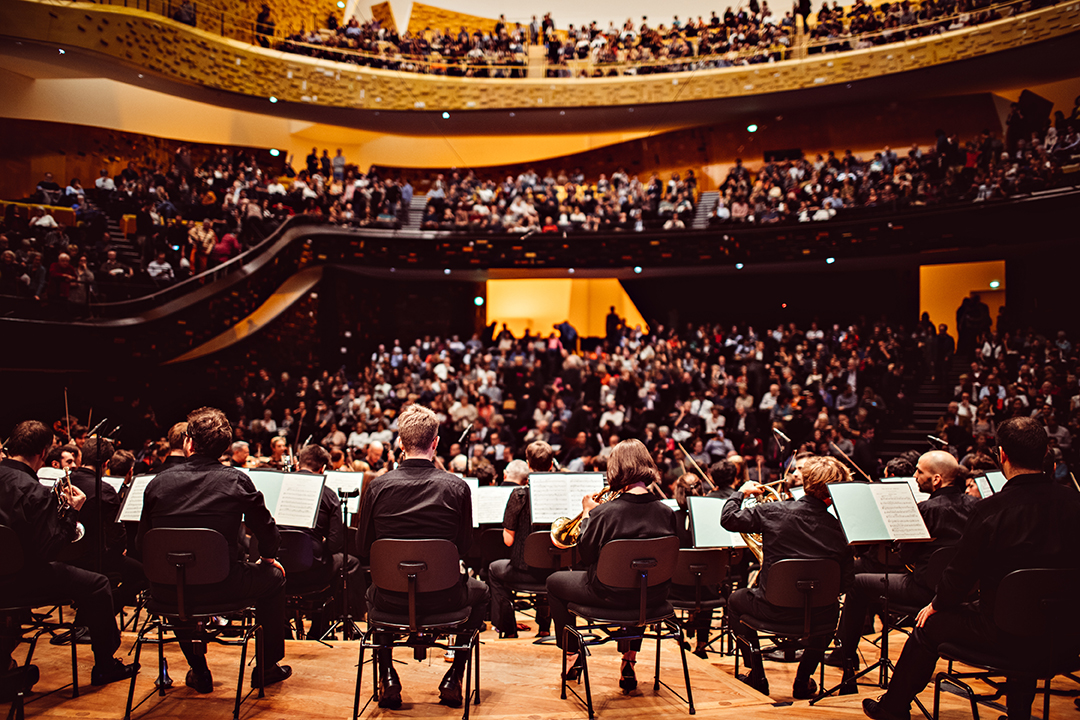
{"x": 945, "y": 513}
{"x": 30, "y": 509}
{"x": 725, "y": 493}
{"x": 329, "y": 530}
{"x": 115, "y": 539}
{"x": 629, "y": 516}
{"x": 1032, "y": 522}
{"x": 517, "y": 517}
{"x": 800, "y": 529}
{"x": 416, "y": 501}
{"x": 203, "y": 493}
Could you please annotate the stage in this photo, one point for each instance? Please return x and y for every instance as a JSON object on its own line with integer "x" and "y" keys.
{"x": 519, "y": 681}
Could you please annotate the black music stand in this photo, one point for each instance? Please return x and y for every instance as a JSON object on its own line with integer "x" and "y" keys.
{"x": 897, "y": 520}
{"x": 349, "y": 629}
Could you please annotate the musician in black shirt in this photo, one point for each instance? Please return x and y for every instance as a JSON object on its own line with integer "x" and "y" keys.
{"x": 690, "y": 485}
{"x": 202, "y": 493}
{"x": 1032, "y": 522}
{"x": 517, "y": 524}
{"x": 723, "y": 474}
{"x": 799, "y": 529}
{"x": 32, "y": 511}
{"x": 419, "y": 501}
{"x": 636, "y": 513}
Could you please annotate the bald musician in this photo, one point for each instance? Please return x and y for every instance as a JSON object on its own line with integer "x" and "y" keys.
{"x": 945, "y": 513}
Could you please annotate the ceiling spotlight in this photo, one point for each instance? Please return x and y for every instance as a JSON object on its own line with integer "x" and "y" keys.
{"x": 62, "y": 51}
{"x": 637, "y": 269}
{"x": 994, "y": 284}
{"x": 446, "y": 116}
{"x": 738, "y": 266}
{"x": 274, "y": 152}
{"x": 273, "y": 99}
{"x": 570, "y": 270}
{"x": 446, "y": 271}
{"x": 751, "y": 128}
{"x": 478, "y": 301}
{"x": 341, "y": 4}
{"x": 830, "y": 261}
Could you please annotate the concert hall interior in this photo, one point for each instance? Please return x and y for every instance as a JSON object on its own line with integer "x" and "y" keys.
{"x": 414, "y": 335}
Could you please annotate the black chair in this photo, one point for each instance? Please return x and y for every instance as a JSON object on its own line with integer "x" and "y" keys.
{"x": 296, "y": 554}
{"x": 935, "y": 568}
{"x": 416, "y": 566}
{"x": 11, "y": 562}
{"x": 489, "y": 547}
{"x": 798, "y": 583}
{"x": 181, "y": 558}
{"x": 541, "y": 554}
{"x": 699, "y": 568}
{"x": 1037, "y": 606}
{"x": 630, "y": 565}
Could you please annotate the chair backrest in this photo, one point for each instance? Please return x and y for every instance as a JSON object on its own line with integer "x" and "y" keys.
{"x": 797, "y": 583}
{"x": 638, "y": 564}
{"x": 491, "y": 547}
{"x": 185, "y": 556}
{"x": 11, "y": 555}
{"x": 1039, "y": 602}
{"x": 701, "y": 567}
{"x": 414, "y": 566}
{"x": 935, "y": 567}
{"x": 541, "y": 553}
{"x": 296, "y": 553}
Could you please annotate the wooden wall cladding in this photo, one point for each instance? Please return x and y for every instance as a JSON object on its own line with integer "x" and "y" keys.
{"x": 155, "y": 44}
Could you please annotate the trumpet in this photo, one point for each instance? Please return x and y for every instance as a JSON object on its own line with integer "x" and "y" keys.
{"x": 566, "y": 532}
{"x": 62, "y": 490}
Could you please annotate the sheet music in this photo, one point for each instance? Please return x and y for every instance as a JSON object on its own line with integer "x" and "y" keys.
{"x": 49, "y": 475}
{"x": 899, "y": 511}
{"x": 797, "y": 492}
{"x": 292, "y": 498}
{"x": 671, "y": 503}
{"x": 556, "y": 495}
{"x": 913, "y": 483}
{"x": 705, "y": 524}
{"x": 996, "y": 479}
{"x": 348, "y": 481}
{"x": 984, "y": 486}
{"x": 131, "y": 510}
{"x": 489, "y": 504}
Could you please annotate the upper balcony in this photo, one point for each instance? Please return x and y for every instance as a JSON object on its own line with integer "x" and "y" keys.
{"x": 143, "y": 46}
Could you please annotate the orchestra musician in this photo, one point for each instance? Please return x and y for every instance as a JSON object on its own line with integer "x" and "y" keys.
{"x": 179, "y": 446}
{"x": 945, "y": 513}
{"x": 45, "y": 529}
{"x": 635, "y": 513}
{"x": 517, "y": 524}
{"x": 203, "y": 493}
{"x": 796, "y": 529}
{"x": 419, "y": 501}
{"x": 687, "y": 486}
{"x": 723, "y": 474}
{"x": 1032, "y": 523}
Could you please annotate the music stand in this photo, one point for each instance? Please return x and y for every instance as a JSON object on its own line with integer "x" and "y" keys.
{"x": 877, "y": 514}
{"x": 349, "y": 630}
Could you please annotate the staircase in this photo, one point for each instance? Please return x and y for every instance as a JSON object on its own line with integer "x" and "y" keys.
{"x": 930, "y": 401}
{"x": 706, "y": 203}
{"x": 127, "y": 251}
{"x": 416, "y": 212}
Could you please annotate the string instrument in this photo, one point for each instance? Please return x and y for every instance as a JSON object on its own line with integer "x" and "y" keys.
{"x": 566, "y": 532}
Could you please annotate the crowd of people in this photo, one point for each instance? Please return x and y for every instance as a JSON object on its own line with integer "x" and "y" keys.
{"x": 743, "y": 36}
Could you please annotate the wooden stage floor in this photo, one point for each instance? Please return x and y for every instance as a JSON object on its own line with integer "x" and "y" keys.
{"x": 519, "y": 682}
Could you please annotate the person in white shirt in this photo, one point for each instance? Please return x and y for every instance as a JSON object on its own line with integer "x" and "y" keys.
{"x": 105, "y": 183}
{"x": 160, "y": 270}
{"x": 769, "y": 400}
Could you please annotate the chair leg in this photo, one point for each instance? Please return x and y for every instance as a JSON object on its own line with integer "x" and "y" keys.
{"x": 685, "y": 669}
{"x": 131, "y": 687}
{"x": 74, "y": 665}
{"x": 937, "y": 696}
{"x": 240, "y": 680}
{"x": 656, "y": 675}
{"x": 562, "y": 676}
{"x": 162, "y": 672}
{"x": 585, "y": 671}
{"x": 260, "y": 659}
{"x": 476, "y": 645}
{"x": 359, "y": 679}
{"x": 467, "y": 699}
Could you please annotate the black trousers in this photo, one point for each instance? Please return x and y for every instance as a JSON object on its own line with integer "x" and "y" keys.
{"x": 470, "y": 593}
{"x": 751, "y": 603}
{"x": 259, "y": 583}
{"x": 501, "y": 576}
{"x": 965, "y": 627}
{"x": 700, "y": 622}
{"x": 865, "y": 595}
{"x": 90, "y": 591}
{"x": 569, "y": 586}
{"x": 328, "y": 575}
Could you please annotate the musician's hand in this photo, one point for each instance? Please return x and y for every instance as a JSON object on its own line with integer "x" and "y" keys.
{"x": 74, "y": 497}
{"x": 924, "y": 615}
{"x": 589, "y": 502}
{"x": 275, "y": 563}
{"x": 751, "y": 488}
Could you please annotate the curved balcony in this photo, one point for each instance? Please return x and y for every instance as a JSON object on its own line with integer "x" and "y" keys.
{"x": 127, "y": 43}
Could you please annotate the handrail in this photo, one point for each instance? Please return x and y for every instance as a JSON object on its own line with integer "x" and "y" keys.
{"x": 246, "y": 28}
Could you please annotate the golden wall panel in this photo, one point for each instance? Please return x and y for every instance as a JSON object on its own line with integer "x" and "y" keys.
{"x": 150, "y": 42}
{"x": 385, "y": 15}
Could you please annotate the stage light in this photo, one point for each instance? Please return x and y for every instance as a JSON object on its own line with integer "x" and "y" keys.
{"x": 478, "y": 301}
{"x": 570, "y": 270}
{"x": 738, "y": 266}
{"x": 347, "y": 333}
{"x": 341, "y": 4}
{"x": 62, "y": 51}
{"x": 273, "y": 99}
{"x": 446, "y": 271}
{"x": 830, "y": 261}
{"x": 446, "y": 116}
{"x": 637, "y": 269}
{"x": 994, "y": 284}
{"x": 783, "y": 305}
{"x": 274, "y": 152}
{"x": 751, "y": 128}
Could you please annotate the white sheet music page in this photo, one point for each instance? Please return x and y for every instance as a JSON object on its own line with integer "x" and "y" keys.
{"x": 132, "y": 509}
{"x": 899, "y": 511}
{"x": 298, "y": 501}
{"x": 548, "y": 494}
{"x": 489, "y": 504}
{"x": 580, "y": 485}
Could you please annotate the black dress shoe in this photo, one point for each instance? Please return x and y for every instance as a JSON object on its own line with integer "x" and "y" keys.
{"x": 873, "y": 709}
{"x": 389, "y": 689}
{"x": 836, "y": 659}
{"x": 628, "y": 679}
{"x": 759, "y": 684}
{"x": 105, "y": 673}
{"x": 573, "y": 672}
{"x": 450, "y": 688}
{"x": 201, "y": 681}
{"x": 18, "y": 679}
{"x": 804, "y": 690}
{"x": 274, "y": 674}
